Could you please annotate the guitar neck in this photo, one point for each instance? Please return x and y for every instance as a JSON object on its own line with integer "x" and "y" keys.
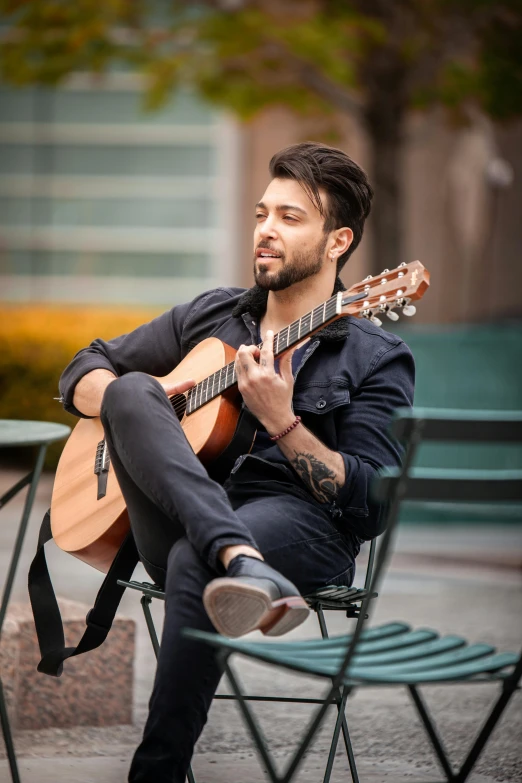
{"x": 291, "y": 335}
{"x": 391, "y": 291}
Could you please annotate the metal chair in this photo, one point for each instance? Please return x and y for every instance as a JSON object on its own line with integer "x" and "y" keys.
{"x": 330, "y": 598}
{"x": 395, "y": 654}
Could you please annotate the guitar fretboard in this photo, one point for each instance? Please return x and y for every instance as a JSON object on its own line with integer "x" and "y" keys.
{"x": 223, "y": 379}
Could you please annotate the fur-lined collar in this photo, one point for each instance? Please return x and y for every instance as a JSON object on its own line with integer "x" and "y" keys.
{"x": 253, "y": 301}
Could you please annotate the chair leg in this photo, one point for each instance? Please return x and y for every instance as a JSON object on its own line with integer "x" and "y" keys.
{"x": 248, "y": 716}
{"x": 308, "y": 737}
{"x": 509, "y": 687}
{"x": 335, "y": 738}
{"x": 6, "y": 728}
{"x": 145, "y": 605}
{"x": 436, "y": 741}
{"x": 344, "y": 724}
{"x": 348, "y": 746}
{"x": 258, "y": 737}
{"x": 322, "y": 621}
{"x": 32, "y": 479}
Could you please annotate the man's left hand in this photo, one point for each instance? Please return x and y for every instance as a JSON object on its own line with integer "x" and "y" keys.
{"x": 267, "y": 394}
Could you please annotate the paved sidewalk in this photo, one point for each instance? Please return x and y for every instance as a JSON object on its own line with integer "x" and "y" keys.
{"x": 216, "y": 768}
{"x": 460, "y": 580}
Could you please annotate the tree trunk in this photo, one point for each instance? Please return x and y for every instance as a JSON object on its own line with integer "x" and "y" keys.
{"x": 387, "y": 209}
{"x": 384, "y": 118}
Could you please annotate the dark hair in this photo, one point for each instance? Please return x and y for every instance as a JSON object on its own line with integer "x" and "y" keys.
{"x": 349, "y": 193}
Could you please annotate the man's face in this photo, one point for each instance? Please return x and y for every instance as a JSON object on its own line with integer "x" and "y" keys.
{"x": 289, "y": 241}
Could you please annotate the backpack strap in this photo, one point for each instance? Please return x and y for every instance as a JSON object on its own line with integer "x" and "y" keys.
{"x": 47, "y": 617}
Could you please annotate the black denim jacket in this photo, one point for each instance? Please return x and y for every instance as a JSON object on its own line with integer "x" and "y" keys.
{"x": 351, "y": 378}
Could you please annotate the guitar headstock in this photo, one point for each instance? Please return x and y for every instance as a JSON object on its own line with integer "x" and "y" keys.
{"x": 387, "y": 293}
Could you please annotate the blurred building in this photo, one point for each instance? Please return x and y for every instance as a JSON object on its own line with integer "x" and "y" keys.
{"x": 101, "y": 202}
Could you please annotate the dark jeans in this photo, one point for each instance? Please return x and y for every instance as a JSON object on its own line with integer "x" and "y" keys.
{"x": 180, "y": 519}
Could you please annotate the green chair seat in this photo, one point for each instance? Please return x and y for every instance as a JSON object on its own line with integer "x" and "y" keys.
{"x": 376, "y": 634}
{"x": 491, "y": 667}
{"x": 408, "y": 654}
{"x": 429, "y": 658}
{"x": 429, "y": 648}
{"x": 392, "y": 636}
{"x": 335, "y": 597}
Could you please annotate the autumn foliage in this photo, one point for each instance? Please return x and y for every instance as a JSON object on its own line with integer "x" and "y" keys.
{"x": 37, "y": 342}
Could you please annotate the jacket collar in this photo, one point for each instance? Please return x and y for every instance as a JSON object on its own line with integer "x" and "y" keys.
{"x": 253, "y": 302}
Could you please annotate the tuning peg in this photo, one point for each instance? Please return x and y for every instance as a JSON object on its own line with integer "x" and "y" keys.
{"x": 409, "y": 310}
{"x": 376, "y": 321}
{"x": 392, "y": 315}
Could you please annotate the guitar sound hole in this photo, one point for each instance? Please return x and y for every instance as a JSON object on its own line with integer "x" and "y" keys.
{"x": 179, "y": 403}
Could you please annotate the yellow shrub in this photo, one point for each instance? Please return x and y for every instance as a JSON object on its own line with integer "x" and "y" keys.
{"x": 37, "y": 342}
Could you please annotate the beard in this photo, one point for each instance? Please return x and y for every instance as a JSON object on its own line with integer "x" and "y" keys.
{"x": 302, "y": 265}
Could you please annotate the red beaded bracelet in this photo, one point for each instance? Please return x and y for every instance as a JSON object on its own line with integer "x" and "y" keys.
{"x": 288, "y": 429}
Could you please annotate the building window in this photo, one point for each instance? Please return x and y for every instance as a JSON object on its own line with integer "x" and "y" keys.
{"x": 101, "y": 202}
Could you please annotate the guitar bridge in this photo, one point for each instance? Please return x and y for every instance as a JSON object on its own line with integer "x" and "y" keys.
{"x": 102, "y": 463}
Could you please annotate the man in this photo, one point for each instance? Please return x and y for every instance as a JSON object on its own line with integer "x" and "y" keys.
{"x": 291, "y": 516}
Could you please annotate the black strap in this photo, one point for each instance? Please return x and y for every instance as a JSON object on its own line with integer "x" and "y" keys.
{"x": 47, "y": 617}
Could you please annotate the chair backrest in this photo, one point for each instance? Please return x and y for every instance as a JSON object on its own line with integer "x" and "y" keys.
{"x": 393, "y": 485}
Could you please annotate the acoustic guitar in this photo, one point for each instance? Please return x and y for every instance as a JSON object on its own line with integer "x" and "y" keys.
{"x": 88, "y": 514}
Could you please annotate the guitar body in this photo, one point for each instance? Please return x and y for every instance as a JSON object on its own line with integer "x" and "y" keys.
{"x": 92, "y": 529}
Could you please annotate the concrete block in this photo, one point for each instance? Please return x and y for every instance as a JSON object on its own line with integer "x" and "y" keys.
{"x": 9, "y": 659}
{"x": 95, "y": 688}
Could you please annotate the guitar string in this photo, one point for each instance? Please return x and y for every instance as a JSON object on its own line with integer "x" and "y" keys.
{"x": 287, "y": 335}
{"x": 289, "y": 339}
{"x": 199, "y": 389}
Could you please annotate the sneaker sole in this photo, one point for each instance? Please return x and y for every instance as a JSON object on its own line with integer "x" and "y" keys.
{"x": 236, "y": 609}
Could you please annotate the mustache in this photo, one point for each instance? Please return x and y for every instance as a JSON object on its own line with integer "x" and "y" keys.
{"x": 265, "y": 245}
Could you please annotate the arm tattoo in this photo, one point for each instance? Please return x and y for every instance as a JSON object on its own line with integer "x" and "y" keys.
{"x": 317, "y": 476}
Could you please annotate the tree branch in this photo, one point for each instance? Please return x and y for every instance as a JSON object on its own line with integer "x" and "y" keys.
{"x": 329, "y": 91}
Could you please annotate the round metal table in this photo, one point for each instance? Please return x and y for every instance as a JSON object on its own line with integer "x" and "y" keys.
{"x": 19, "y": 433}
